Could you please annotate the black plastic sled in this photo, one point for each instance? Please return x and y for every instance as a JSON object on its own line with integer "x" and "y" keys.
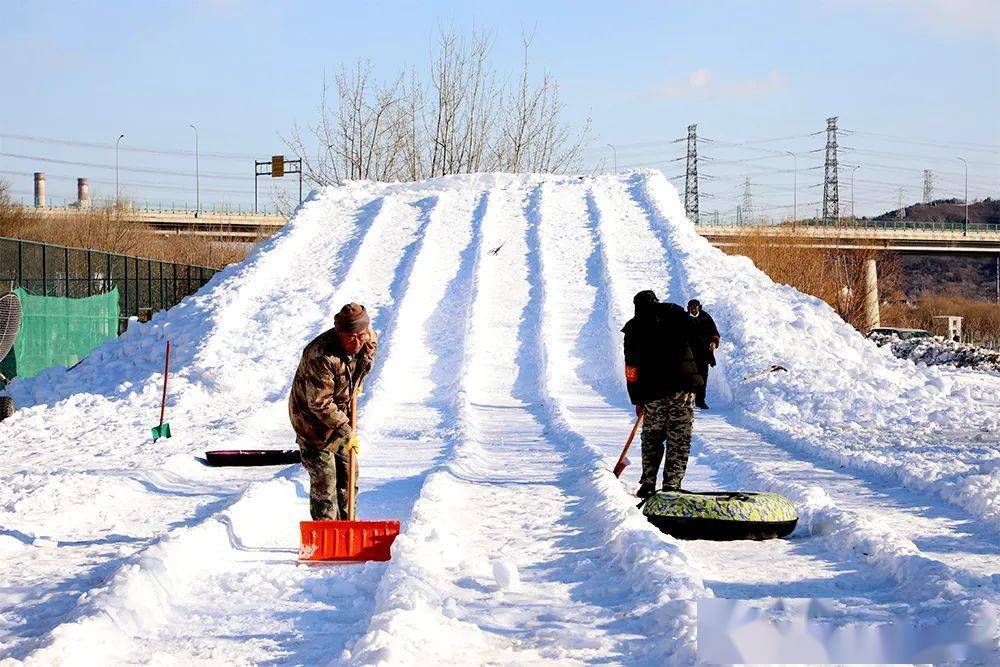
{"x": 252, "y": 457}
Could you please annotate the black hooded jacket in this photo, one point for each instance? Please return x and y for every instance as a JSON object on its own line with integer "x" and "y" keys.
{"x": 658, "y": 351}
{"x": 707, "y": 333}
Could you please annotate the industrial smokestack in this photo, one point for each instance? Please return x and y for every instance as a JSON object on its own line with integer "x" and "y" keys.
{"x": 82, "y": 193}
{"x": 39, "y": 189}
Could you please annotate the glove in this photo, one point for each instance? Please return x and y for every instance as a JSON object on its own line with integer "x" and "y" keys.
{"x": 352, "y": 444}
{"x": 638, "y": 409}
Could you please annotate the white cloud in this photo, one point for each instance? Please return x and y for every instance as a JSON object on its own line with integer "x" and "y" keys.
{"x": 700, "y": 85}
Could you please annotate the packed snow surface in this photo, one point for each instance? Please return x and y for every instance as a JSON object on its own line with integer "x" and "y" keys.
{"x": 489, "y": 426}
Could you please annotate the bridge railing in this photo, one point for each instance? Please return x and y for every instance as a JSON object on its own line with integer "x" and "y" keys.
{"x": 950, "y": 228}
{"x": 160, "y": 206}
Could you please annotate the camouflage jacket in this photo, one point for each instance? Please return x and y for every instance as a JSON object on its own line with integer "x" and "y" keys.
{"x": 320, "y": 400}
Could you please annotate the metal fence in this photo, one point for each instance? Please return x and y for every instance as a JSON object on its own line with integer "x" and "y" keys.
{"x": 144, "y": 285}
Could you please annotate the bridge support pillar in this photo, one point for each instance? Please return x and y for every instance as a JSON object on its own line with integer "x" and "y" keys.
{"x": 872, "y": 315}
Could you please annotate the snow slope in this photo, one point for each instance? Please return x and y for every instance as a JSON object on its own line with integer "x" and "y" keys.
{"x": 489, "y": 425}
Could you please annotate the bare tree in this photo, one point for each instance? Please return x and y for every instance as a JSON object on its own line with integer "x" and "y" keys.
{"x": 463, "y": 121}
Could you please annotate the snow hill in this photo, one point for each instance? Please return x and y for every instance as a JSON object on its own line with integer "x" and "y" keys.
{"x": 489, "y": 426}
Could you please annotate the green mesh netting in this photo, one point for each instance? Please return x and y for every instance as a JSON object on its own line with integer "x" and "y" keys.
{"x": 57, "y": 330}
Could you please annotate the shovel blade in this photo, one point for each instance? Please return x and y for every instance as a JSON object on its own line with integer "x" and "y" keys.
{"x": 161, "y": 431}
{"x": 347, "y": 541}
{"x": 620, "y": 468}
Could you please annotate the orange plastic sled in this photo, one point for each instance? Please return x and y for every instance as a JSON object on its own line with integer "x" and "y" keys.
{"x": 349, "y": 541}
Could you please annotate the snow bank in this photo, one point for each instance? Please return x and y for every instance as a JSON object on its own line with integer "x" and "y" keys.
{"x": 842, "y": 398}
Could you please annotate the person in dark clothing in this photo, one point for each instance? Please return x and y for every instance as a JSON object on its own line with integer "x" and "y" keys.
{"x": 662, "y": 378}
{"x": 707, "y": 336}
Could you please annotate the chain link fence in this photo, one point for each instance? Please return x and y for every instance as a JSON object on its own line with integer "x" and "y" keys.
{"x": 144, "y": 285}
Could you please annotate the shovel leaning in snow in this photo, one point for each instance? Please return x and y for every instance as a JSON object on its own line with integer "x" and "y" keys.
{"x": 623, "y": 461}
{"x": 349, "y": 541}
{"x": 163, "y": 430}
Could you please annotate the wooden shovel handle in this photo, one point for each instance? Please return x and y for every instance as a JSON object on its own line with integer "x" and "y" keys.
{"x": 620, "y": 466}
{"x": 166, "y": 372}
{"x": 351, "y": 500}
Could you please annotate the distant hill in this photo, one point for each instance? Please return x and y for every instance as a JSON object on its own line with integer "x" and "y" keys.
{"x": 971, "y": 277}
{"x": 949, "y": 210}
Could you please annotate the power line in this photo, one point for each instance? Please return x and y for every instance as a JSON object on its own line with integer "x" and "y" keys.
{"x": 95, "y": 165}
{"x": 135, "y": 184}
{"x": 131, "y": 149}
{"x": 912, "y": 156}
{"x": 960, "y": 145}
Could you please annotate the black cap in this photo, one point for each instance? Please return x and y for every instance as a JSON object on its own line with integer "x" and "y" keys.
{"x": 644, "y": 297}
{"x": 694, "y": 302}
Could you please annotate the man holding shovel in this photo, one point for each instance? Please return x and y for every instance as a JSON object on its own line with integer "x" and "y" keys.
{"x": 662, "y": 379}
{"x": 329, "y": 377}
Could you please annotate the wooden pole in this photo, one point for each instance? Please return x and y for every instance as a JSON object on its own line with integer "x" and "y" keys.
{"x": 166, "y": 371}
{"x": 620, "y": 466}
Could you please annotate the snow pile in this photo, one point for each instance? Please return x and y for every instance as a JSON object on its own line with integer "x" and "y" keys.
{"x": 938, "y": 350}
{"x": 489, "y": 427}
{"x": 842, "y": 398}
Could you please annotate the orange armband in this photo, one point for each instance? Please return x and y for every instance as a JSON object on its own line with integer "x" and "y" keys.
{"x": 631, "y": 373}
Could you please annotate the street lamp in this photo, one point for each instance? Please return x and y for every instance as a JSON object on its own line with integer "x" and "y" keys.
{"x": 795, "y": 186}
{"x": 117, "y": 189}
{"x": 615, "y": 153}
{"x": 197, "y": 185}
{"x": 853, "y": 217}
{"x": 965, "y": 228}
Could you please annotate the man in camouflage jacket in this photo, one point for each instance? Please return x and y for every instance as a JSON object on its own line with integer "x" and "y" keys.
{"x": 662, "y": 379}
{"x": 331, "y": 372}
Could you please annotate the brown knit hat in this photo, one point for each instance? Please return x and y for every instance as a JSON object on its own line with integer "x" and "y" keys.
{"x": 352, "y": 318}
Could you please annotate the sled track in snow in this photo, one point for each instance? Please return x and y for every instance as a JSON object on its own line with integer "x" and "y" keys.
{"x": 489, "y": 424}
{"x": 885, "y": 519}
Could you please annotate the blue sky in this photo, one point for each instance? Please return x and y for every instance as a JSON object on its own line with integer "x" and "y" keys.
{"x": 245, "y": 72}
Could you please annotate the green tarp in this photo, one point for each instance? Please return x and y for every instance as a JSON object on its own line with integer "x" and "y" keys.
{"x": 59, "y": 331}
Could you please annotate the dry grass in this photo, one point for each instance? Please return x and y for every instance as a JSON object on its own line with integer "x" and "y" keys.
{"x": 102, "y": 228}
{"x": 981, "y": 318}
{"x": 837, "y": 277}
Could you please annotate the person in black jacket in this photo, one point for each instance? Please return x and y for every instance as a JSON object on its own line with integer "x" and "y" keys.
{"x": 708, "y": 339}
{"x": 662, "y": 378}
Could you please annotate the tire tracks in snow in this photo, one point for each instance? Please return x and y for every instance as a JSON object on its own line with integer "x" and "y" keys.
{"x": 847, "y": 523}
{"x": 148, "y": 598}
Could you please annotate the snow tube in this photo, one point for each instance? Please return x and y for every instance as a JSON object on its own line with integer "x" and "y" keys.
{"x": 721, "y": 515}
{"x": 252, "y": 457}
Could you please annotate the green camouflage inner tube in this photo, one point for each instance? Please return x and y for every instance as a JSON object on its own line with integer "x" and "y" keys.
{"x": 720, "y": 515}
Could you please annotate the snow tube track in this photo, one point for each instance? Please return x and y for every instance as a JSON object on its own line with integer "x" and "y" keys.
{"x": 488, "y": 426}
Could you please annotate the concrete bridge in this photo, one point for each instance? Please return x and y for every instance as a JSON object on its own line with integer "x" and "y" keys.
{"x": 903, "y": 236}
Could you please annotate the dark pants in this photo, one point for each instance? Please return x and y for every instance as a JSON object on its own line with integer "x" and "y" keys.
{"x": 699, "y": 395}
{"x": 328, "y": 466}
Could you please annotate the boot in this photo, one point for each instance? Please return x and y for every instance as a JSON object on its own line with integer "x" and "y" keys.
{"x": 646, "y": 489}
